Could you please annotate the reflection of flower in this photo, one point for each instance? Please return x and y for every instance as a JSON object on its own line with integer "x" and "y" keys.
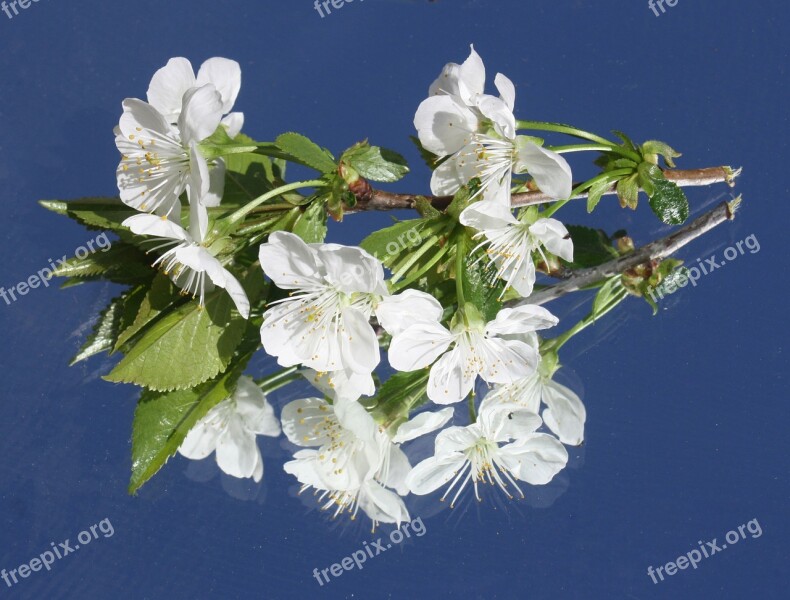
{"x": 470, "y": 348}
{"x": 192, "y": 265}
{"x": 476, "y": 453}
{"x": 478, "y": 134}
{"x": 564, "y": 414}
{"x": 511, "y": 242}
{"x": 230, "y": 429}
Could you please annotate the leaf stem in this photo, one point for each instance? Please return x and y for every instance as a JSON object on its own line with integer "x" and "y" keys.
{"x": 246, "y": 209}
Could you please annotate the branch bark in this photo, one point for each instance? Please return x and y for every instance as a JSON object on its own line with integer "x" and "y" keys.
{"x": 657, "y": 250}
{"x": 381, "y": 200}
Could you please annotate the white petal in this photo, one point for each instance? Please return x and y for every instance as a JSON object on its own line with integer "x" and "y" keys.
{"x": 306, "y": 469}
{"x": 351, "y": 269}
{"x": 457, "y": 439}
{"x": 398, "y": 467}
{"x": 423, "y": 424}
{"x": 139, "y": 114}
{"x": 257, "y": 472}
{"x": 237, "y": 452}
{"x": 488, "y": 215}
{"x": 554, "y": 235}
{"x": 360, "y": 344}
{"x": 199, "y": 182}
{"x": 565, "y": 415}
{"x": 168, "y": 86}
{"x": 443, "y": 125}
{"x": 535, "y": 459}
{"x": 382, "y": 505}
{"x": 234, "y": 123}
{"x": 498, "y": 112}
{"x": 200, "y": 441}
{"x": 418, "y": 346}
{"x": 255, "y": 411}
{"x": 507, "y": 91}
{"x": 237, "y": 294}
{"x": 353, "y": 416}
{"x": 551, "y": 172}
{"x": 432, "y": 473}
{"x": 225, "y": 75}
{"x": 522, "y": 319}
{"x": 507, "y": 361}
{"x": 201, "y": 114}
{"x": 302, "y": 420}
{"x": 289, "y": 262}
{"x": 398, "y": 312}
{"x": 216, "y": 187}
{"x": 156, "y": 226}
{"x": 451, "y": 378}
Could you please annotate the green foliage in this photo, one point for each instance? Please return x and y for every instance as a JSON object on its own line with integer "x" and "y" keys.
{"x": 669, "y": 202}
{"x": 399, "y": 395}
{"x": 184, "y": 348}
{"x": 120, "y": 263}
{"x": 307, "y": 152}
{"x": 311, "y": 224}
{"x": 374, "y": 163}
{"x": 93, "y": 213}
{"x": 591, "y": 247}
{"x": 481, "y": 286}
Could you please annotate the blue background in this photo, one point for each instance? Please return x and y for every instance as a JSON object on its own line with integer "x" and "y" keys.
{"x": 688, "y": 411}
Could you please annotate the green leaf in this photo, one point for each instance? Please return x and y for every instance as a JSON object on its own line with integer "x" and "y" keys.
{"x": 627, "y": 142}
{"x": 628, "y": 191}
{"x": 649, "y": 174}
{"x": 311, "y": 224}
{"x": 597, "y": 190}
{"x": 591, "y": 247}
{"x": 159, "y": 298}
{"x": 162, "y": 421}
{"x": 481, "y": 285}
{"x": 184, "y": 348}
{"x": 307, "y": 152}
{"x": 374, "y": 163}
{"x": 113, "y": 319}
{"x": 390, "y": 243}
{"x": 669, "y": 202}
{"x": 120, "y": 263}
{"x": 399, "y": 395}
{"x": 652, "y": 149}
{"x": 94, "y": 213}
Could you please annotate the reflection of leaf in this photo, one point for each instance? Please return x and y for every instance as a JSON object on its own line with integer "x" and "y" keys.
{"x": 669, "y": 202}
{"x": 591, "y": 247}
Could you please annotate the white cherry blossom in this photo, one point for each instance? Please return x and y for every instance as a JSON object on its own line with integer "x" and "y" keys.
{"x": 476, "y": 453}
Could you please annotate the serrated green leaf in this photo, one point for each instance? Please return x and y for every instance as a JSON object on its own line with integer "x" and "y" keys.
{"x": 94, "y": 213}
{"x": 481, "y": 285}
{"x": 374, "y": 163}
{"x": 120, "y": 263}
{"x": 669, "y": 202}
{"x": 159, "y": 298}
{"x": 627, "y": 142}
{"x": 113, "y": 319}
{"x": 307, "y": 152}
{"x": 611, "y": 292}
{"x": 311, "y": 224}
{"x": 648, "y": 175}
{"x": 184, "y": 348}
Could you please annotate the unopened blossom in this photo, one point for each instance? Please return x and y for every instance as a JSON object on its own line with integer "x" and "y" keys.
{"x": 470, "y": 348}
{"x": 188, "y": 261}
{"x": 230, "y": 430}
{"x": 477, "y": 132}
{"x": 500, "y": 448}
{"x": 511, "y": 243}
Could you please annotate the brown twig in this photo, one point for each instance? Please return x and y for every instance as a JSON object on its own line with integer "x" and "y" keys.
{"x": 381, "y": 200}
{"x": 657, "y": 250}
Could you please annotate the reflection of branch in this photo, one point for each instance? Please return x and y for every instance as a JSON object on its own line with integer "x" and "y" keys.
{"x": 381, "y": 200}
{"x": 657, "y": 250}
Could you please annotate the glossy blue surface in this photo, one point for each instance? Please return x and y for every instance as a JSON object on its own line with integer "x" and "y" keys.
{"x": 688, "y": 411}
